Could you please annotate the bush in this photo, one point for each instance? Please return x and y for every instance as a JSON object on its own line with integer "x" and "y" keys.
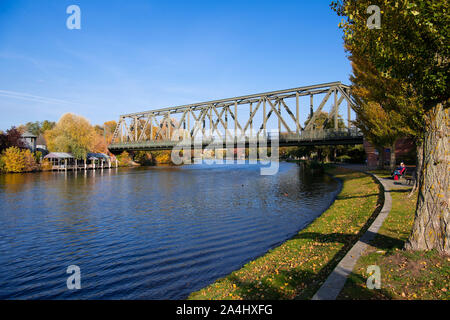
{"x": 38, "y": 156}
{"x": 18, "y": 160}
{"x": 343, "y": 158}
{"x": 143, "y": 158}
{"x": 46, "y": 165}
{"x": 30, "y": 161}
{"x": 162, "y": 157}
{"x": 2, "y": 164}
{"x": 13, "y": 160}
{"x": 124, "y": 159}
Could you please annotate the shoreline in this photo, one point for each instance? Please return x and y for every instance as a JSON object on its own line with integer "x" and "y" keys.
{"x": 133, "y": 165}
{"x": 297, "y": 268}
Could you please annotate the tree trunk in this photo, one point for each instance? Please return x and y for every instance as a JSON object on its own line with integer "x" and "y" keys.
{"x": 392, "y": 160}
{"x": 419, "y": 167}
{"x": 380, "y": 158}
{"x": 431, "y": 229}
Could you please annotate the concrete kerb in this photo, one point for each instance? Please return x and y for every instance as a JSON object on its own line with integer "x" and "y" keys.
{"x": 333, "y": 285}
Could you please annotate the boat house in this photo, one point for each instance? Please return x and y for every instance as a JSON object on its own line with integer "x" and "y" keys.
{"x": 66, "y": 161}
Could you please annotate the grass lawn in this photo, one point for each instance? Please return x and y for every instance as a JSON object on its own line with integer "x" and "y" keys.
{"x": 297, "y": 268}
{"x": 404, "y": 275}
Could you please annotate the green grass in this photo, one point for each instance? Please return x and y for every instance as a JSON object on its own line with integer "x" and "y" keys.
{"x": 297, "y": 268}
{"x": 404, "y": 275}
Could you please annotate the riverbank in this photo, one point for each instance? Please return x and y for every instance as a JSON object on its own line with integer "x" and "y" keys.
{"x": 405, "y": 275}
{"x": 297, "y": 268}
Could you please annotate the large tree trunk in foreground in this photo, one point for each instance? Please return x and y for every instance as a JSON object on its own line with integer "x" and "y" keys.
{"x": 431, "y": 228}
{"x": 419, "y": 167}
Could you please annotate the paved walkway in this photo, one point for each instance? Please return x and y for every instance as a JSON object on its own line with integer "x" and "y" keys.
{"x": 336, "y": 280}
{"x": 391, "y": 183}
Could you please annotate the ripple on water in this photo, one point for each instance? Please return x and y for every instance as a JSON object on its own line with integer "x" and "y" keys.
{"x": 154, "y": 233}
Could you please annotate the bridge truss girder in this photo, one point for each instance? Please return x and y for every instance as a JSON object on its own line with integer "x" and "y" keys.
{"x": 244, "y": 116}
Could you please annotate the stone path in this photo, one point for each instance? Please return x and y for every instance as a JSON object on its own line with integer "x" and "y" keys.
{"x": 336, "y": 280}
{"x": 391, "y": 183}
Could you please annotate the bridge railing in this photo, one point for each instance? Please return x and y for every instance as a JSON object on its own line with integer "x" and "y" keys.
{"x": 327, "y": 134}
{"x": 316, "y": 135}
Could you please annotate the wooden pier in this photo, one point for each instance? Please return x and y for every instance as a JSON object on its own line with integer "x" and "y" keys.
{"x": 62, "y": 161}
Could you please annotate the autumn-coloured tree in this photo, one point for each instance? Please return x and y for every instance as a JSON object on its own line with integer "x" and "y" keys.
{"x": 13, "y": 160}
{"x": 144, "y": 158}
{"x": 124, "y": 159}
{"x": 399, "y": 117}
{"x": 99, "y": 144}
{"x": 46, "y": 125}
{"x": 162, "y": 157}
{"x": 165, "y": 131}
{"x": 378, "y": 126}
{"x": 109, "y": 127}
{"x": 2, "y": 164}
{"x": 18, "y": 160}
{"x": 46, "y": 165}
{"x": 411, "y": 47}
{"x": 72, "y": 134}
{"x": 11, "y": 138}
{"x": 30, "y": 160}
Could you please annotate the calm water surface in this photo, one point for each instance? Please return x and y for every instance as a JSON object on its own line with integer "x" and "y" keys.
{"x": 153, "y": 233}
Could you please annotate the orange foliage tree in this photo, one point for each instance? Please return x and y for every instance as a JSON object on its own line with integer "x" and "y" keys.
{"x": 18, "y": 160}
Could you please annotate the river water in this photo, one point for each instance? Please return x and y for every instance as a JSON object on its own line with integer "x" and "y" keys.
{"x": 147, "y": 233}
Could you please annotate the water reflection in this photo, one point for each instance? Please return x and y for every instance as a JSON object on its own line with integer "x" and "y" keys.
{"x": 147, "y": 233}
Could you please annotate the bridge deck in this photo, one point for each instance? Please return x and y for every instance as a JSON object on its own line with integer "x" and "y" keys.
{"x": 319, "y": 137}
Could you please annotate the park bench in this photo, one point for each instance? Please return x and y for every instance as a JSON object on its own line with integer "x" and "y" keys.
{"x": 409, "y": 178}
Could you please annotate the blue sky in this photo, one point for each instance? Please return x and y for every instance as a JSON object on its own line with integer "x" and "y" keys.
{"x": 140, "y": 55}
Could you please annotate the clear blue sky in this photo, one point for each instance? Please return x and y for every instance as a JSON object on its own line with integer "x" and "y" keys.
{"x": 140, "y": 55}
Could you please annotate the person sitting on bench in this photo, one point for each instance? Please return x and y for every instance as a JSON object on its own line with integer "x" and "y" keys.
{"x": 400, "y": 171}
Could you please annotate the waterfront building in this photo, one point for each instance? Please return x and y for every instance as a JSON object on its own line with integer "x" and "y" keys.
{"x": 66, "y": 161}
{"x": 30, "y": 140}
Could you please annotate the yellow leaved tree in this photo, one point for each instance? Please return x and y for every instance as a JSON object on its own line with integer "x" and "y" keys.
{"x": 72, "y": 134}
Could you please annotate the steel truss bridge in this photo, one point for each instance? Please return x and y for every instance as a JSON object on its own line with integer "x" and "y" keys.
{"x": 242, "y": 120}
